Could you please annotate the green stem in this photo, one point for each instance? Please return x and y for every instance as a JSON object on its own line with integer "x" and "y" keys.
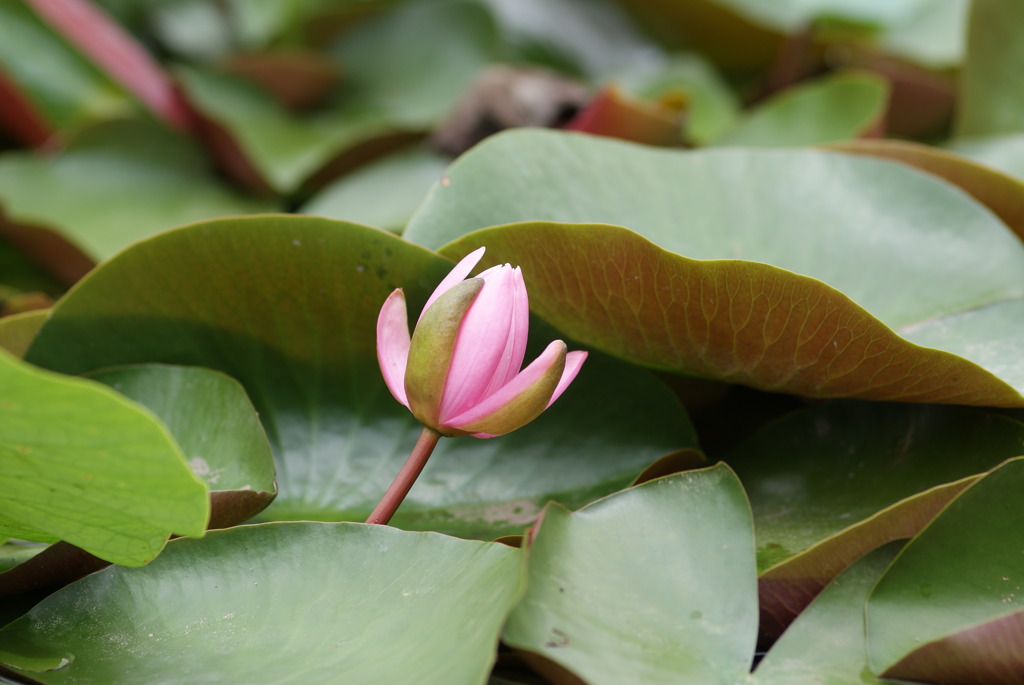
{"x": 400, "y": 487}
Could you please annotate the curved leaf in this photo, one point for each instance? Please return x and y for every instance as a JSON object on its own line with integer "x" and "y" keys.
{"x": 654, "y": 584}
{"x": 309, "y": 602}
{"x": 920, "y": 236}
{"x": 1002, "y": 152}
{"x": 288, "y": 306}
{"x": 383, "y": 193}
{"x": 817, "y": 213}
{"x": 216, "y": 427}
{"x": 840, "y": 106}
{"x": 18, "y": 330}
{"x": 956, "y": 585}
{"x": 745, "y": 322}
{"x": 403, "y": 70}
{"x": 1002, "y": 194}
{"x": 831, "y": 483}
{"x": 116, "y": 483}
{"x": 991, "y": 101}
{"x": 63, "y": 87}
{"x": 81, "y": 193}
{"x": 826, "y": 644}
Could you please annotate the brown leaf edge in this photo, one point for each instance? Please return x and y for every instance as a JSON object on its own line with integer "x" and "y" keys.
{"x": 787, "y": 588}
{"x": 731, "y": 320}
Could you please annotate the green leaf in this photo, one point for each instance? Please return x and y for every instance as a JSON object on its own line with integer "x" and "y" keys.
{"x": 999, "y": 192}
{"x": 403, "y": 70}
{"x": 654, "y": 584}
{"x": 214, "y": 423}
{"x": 67, "y": 90}
{"x": 81, "y": 193}
{"x": 411, "y": 63}
{"x": 829, "y": 484}
{"x": 1005, "y": 152}
{"x": 826, "y": 643}
{"x": 959, "y": 580}
{"x": 288, "y": 306}
{"x": 116, "y": 483}
{"x": 18, "y": 330}
{"x": 383, "y": 193}
{"x": 279, "y": 602}
{"x": 745, "y": 321}
{"x": 837, "y": 107}
{"x": 991, "y": 101}
{"x": 219, "y": 433}
{"x": 711, "y": 107}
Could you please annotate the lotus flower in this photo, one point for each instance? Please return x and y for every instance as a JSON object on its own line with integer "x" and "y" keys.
{"x": 459, "y": 373}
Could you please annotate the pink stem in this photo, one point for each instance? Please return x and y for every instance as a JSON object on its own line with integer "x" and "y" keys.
{"x": 400, "y": 487}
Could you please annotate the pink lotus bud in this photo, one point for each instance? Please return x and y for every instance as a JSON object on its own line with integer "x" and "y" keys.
{"x": 460, "y": 373}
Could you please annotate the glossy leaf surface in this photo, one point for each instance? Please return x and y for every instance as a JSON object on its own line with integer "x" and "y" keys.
{"x": 622, "y": 590}
{"x": 288, "y": 306}
{"x": 117, "y": 484}
{"x": 349, "y": 603}
{"x": 959, "y": 580}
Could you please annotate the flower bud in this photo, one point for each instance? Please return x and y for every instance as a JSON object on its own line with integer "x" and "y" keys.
{"x": 460, "y": 373}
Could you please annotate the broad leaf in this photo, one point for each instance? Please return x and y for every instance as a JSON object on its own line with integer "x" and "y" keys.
{"x": 654, "y": 584}
{"x": 746, "y": 322}
{"x": 116, "y": 482}
{"x": 991, "y": 101}
{"x": 950, "y": 606}
{"x": 1001, "y": 193}
{"x": 1005, "y": 152}
{"x": 755, "y": 324}
{"x": 403, "y": 70}
{"x": 826, "y": 643}
{"x": 383, "y": 193}
{"x": 288, "y": 306}
{"x": 840, "y": 106}
{"x": 829, "y": 484}
{"x": 308, "y": 602}
{"x": 18, "y": 330}
{"x": 81, "y": 193}
{"x": 216, "y": 427}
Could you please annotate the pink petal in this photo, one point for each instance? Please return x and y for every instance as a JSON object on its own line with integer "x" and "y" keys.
{"x": 540, "y": 366}
{"x": 515, "y": 347}
{"x": 481, "y": 344}
{"x": 457, "y": 274}
{"x": 573, "y": 364}
{"x": 393, "y": 344}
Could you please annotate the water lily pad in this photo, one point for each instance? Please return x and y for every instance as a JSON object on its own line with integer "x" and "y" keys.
{"x": 347, "y": 603}
{"x": 654, "y": 584}
{"x": 1002, "y": 152}
{"x": 958, "y": 580}
{"x": 991, "y": 101}
{"x": 17, "y": 330}
{"x": 831, "y": 483}
{"x": 116, "y": 482}
{"x": 288, "y": 306}
{"x": 81, "y": 193}
{"x": 740, "y": 319}
{"x": 826, "y": 644}
{"x": 384, "y": 193}
{"x": 840, "y": 106}
{"x": 1001, "y": 193}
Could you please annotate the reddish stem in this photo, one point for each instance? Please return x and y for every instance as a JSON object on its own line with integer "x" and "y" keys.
{"x": 400, "y": 487}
